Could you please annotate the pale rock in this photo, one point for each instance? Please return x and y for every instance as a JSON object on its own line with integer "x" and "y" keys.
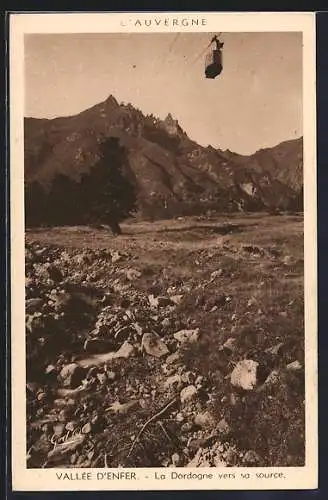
{"x": 166, "y": 323}
{"x": 122, "y": 408}
{"x": 49, "y": 369}
{"x": 216, "y": 274}
{"x": 116, "y": 256}
{"x": 287, "y": 260}
{"x": 63, "y": 449}
{"x": 110, "y": 375}
{"x": 33, "y": 305}
{"x": 272, "y": 379}
{"x": 294, "y": 366}
{"x": 199, "y": 381}
{"x": 153, "y": 345}
{"x": 125, "y": 351}
{"x": 173, "y": 358}
{"x": 164, "y": 301}
{"x": 176, "y": 299}
{"x": 172, "y": 382}
{"x": 198, "y": 460}
{"x": 244, "y": 374}
{"x": 86, "y": 429}
{"x": 229, "y": 344}
{"x": 205, "y": 420}
{"x": 223, "y": 426}
{"x": 70, "y": 426}
{"x": 188, "y": 393}
{"x": 187, "y": 336}
{"x": 252, "y": 302}
{"x": 133, "y": 274}
{"x": 188, "y": 377}
{"x": 218, "y": 461}
{"x": 251, "y": 458}
{"x": 275, "y": 350}
{"x": 71, "y": 375}
{"x": 153, "y": 301}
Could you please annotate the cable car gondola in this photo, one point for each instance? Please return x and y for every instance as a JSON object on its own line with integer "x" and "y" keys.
{"x": 213, "y": 59}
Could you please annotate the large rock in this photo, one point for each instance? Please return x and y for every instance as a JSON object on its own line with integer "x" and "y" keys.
{"x": 244, "y": 375}
{"x": 184, "y": 336}
{"x": 188, "y": 393}
{"x": 71, "y": 375}
{"x": 153, "y": 345}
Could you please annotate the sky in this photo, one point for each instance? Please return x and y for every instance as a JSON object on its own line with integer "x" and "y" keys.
{"x": 256, "y": 102}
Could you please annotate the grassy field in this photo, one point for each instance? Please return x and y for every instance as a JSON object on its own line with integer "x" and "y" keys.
{"x": 238, "y": 278}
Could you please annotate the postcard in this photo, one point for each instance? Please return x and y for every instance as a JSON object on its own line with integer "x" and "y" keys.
{"x": 163, "y": 251}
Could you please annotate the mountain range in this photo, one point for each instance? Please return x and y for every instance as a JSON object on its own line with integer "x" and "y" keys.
{"x": 170, "y": 174}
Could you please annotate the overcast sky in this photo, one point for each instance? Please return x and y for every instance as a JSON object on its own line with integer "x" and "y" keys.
{"x": 256, "y": 102}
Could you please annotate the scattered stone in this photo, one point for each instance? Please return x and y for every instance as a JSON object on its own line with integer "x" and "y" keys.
{"x": 102, "y": 377}
{"x": 205, "y": 420}
{"x": 116, "y": 256}
{"x": 199, "y": 460}
{"x": 33, "y": 305}
{"x": 173, "y": 382}
{"x": 71, "y": 375}
{"x": 70, "y": 426}
{"x": 122, "y": 409}
{"x": 188, "y": 393}
{"x": 49, "y": 369}
{"x": 244, "y": 375}
{"x": 110, "y": 375}
{"x": 188, "y": 377}
{"x": 59, "y": 429}
{"x": 251, "y": 458}
{"x": 173, "y": 358}
{"x": 176, "y": 299}
{"x": 175, "y": 460}
{"x": 252, "y": 302}
{"x": 133, "y": 274}
{"x": 295, "y": 366}
{"x": 86, "y": 429}
{"x": 54, "y": 273}
{"x": 223, "y": 426}
{"x": 61, "y": 450}
{"x": 187, "y": 335}
{"x": 229, "y": 344}
{"x": 126, "y": 351}
{"x": 153, "y": 345}
{"x": 216, "y": 274}
{"x": 199, "y": 382}
{"x": 166, "y": 323}
{"x": 272, "y": 379}
{"x": 276, "y": 349}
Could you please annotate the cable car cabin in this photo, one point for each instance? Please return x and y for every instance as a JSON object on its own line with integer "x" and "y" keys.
{"x": 213, "y": 63}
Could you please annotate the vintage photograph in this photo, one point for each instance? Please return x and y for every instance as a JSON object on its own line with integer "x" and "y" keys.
{"x": 163, "y": 242}
{"x": 164, "y": 250}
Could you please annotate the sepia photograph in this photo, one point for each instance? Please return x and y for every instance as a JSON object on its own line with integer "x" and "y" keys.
{"x": 164, "y": 251}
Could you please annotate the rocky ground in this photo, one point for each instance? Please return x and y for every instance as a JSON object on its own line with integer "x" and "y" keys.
{"x": 177, "y": 344}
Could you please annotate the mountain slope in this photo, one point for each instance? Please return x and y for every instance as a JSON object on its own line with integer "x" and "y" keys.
{"x": 170, "y": 173}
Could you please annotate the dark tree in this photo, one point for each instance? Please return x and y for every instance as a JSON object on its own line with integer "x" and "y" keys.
{"x": 63, "y": 202}
{"x": 107, "y": 191}
{"x": 35, "y": 204}
{"x": 104, "y": 195}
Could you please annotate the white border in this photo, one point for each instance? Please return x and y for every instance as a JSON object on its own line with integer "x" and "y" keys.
{"x": 24, "y": 479}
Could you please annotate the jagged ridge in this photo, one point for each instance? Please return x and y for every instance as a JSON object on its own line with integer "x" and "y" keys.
{"x": 172, "y": 174}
